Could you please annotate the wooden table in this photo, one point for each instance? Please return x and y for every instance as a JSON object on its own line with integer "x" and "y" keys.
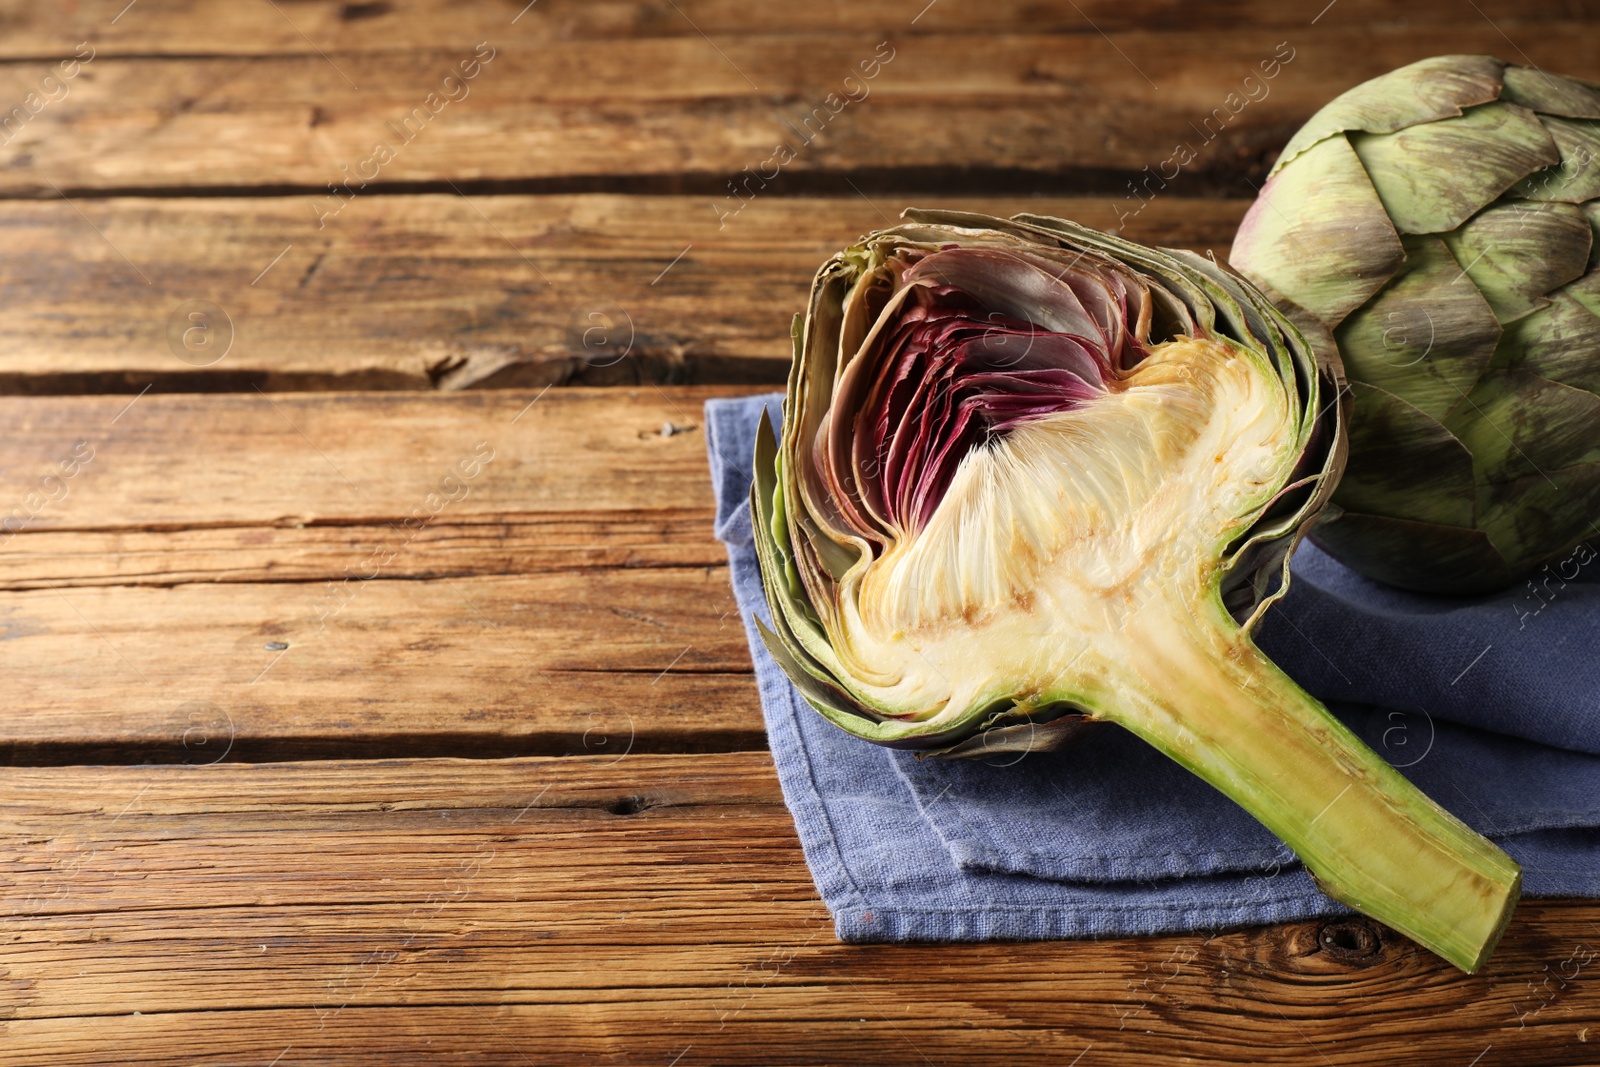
{"x": 374, "y": 689}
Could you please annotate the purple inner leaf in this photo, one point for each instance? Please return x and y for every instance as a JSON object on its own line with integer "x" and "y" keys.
{"x": 973, "y": 344}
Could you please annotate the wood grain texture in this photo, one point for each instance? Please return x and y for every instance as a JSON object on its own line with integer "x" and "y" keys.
{"x": 438, "y": 292}
{"x": 163, "y": 462}
{"x": 565, "y": 663}
{"x": 200, "y": 27}
{"x": 234, "y": 577}
{"x": 631, "y": 912}
{"x": 1047, "y": 113}
{"x": 572, "y": 545}
{"x": 228, "y": 580}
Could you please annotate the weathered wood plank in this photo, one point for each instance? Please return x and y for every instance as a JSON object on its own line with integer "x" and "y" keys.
{"x": 197, "y": 27}
{"x": 162, "y": 462}
{"x": 50, "y": 559}
{"x": 425, "y": 292}
{"x": 956, "y": 109}
{"x": 634, "y": 912}
{"x": 233, "y": 576}
{"x": 597, "y": 661}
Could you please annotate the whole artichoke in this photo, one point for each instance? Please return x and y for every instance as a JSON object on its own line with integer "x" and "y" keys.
{"x": 1033, "y": 476}
{"x": 1441, "y": 221}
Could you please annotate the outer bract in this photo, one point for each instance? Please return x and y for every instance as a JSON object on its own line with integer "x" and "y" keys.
{"x": 1034, "y": 476}
{"x": 1441, "y": 222}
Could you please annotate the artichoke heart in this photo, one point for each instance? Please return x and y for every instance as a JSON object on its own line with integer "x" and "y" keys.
{"x": 1052, "y": 538}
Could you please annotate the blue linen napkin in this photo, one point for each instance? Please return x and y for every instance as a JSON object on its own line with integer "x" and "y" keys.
{"x": 1491, "y": 706}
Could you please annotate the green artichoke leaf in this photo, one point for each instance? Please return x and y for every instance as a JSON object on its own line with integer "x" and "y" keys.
{"x": 1404, "y": 464}
{"x": 1246, "y": 318}
{"x": 1558, "y": 342}
{"x": 1517, "y": 423}
{"x": 1413, "y": 554}
{"x": 1551, "y": 94}
{"x": 792, "y": 617}
{"x": 1318, "y": 234}
{"x": 1517, "y": 251}
{"x": 1426, "y": 337}
{"x": 1020, "y": 739}
{"x": 1433, "y": 177}
{"x": 1576, "y": 179}
{"x": 1523, "y": 517}
{"x": 1586, "y": 290}
{"x": 823, "y": 551}
{"x": 1425, "y": 91}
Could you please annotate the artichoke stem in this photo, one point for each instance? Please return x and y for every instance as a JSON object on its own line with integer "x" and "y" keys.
{"x": 1201, "y": 692}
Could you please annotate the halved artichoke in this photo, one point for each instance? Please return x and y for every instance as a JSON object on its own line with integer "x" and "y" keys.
{"x": 1034, "y": 476}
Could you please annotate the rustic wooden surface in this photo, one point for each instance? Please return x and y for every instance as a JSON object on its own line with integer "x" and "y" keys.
{"x": 438, "y": 292}
{"x": 586, "y": 910}
{"x": 190, "y": 27}
{"x": 1008, "y": 103}
{"x": 287, "y": 781}
{"x": 570, "y": 595}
